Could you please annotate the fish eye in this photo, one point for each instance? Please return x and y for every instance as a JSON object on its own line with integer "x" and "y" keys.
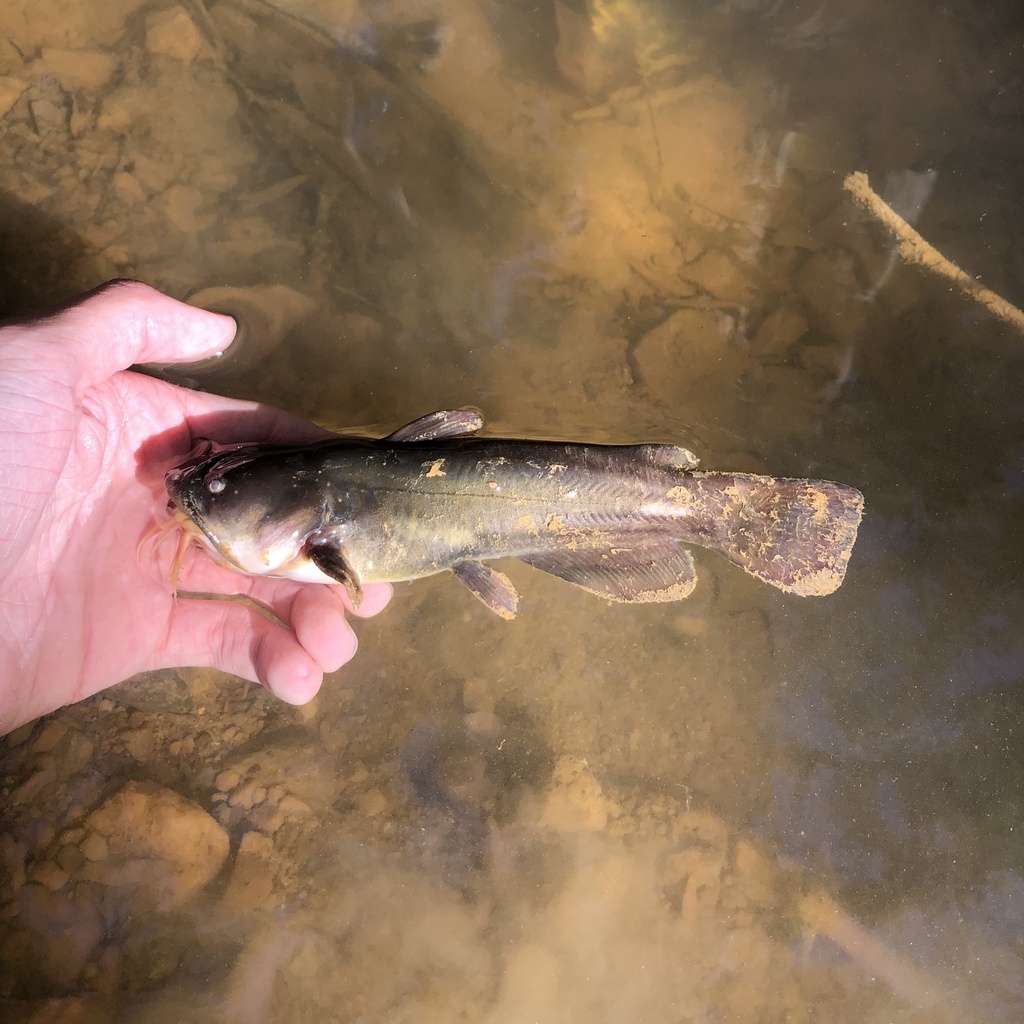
{"x": 216, "y": 485}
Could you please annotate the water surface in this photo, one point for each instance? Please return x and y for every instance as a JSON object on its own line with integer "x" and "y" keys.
{"x": 605, "y": 222}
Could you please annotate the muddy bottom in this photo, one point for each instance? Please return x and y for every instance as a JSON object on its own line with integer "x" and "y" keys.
{"x": 597, "y": 222}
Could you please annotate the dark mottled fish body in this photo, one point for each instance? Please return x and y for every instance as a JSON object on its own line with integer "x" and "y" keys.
{"x": 611, "y": 519}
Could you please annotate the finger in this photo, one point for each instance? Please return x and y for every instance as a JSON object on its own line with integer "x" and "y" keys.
{"x": 201, "y": 574}
{"x": 235, "y": 421}
{"x": 128, "y": 322}
{"x": 235, "y": 638}
{"x": 376, "y": 597}
{"x": 314, "y": 611}
{"x": 318, "y": 618}
{"x": 175, "y": 417}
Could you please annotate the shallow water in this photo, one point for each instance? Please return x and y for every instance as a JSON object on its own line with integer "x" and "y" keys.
{"x": 622, "y": 223}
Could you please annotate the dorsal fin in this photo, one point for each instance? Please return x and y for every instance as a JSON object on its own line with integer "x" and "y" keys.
{"x": 435, "y": 425}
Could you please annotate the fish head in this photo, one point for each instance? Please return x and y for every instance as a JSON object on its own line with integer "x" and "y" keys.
{"x": 251, "y": 506}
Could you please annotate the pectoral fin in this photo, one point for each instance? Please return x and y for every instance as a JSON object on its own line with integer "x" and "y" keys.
{"x": 435, "y": 425}
{"x": 490, "y": 586}
{"x": 329, "y": 559}
{"x": 630, "y": 569}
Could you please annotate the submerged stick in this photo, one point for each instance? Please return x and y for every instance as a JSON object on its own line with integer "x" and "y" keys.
{"x": 821, "y": 915}
{"x": 914, "y": 249}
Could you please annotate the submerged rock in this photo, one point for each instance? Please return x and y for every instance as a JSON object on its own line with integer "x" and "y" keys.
{"x": 172, "y": 33}
{"x": 165, "y": 846}
{"x": 691, "y": 343}
{"x": 10, "y": 92}
{"x": 575, "y": 801}
{"x": 252, "y": 878}
{"x": 76, "y": 69}
{"x": 62, "y": 932}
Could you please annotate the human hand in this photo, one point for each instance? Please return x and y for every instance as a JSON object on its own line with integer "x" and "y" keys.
{"x": 84, "y": 445}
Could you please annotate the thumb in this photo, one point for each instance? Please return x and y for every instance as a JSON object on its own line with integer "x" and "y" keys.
{"x": 126, "y": 322}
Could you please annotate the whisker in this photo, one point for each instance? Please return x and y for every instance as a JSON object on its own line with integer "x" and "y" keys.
{"x": 157, "y": 535}
{"x": 185, "y": 539}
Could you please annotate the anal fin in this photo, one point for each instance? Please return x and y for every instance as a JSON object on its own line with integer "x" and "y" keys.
{"x": 632, "y": 569}
{"x": 493, "y": 588}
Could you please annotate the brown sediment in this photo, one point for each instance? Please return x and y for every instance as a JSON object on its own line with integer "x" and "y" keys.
{"x": 677, "y": 592}
{"x": 914, "y": 249}
{"x": 820, "y": 582}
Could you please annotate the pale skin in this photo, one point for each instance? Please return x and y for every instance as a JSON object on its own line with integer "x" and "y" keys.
{"x": 84, "y": 445}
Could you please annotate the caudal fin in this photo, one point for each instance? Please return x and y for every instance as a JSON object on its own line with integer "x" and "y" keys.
{"x": 796, "y": 535}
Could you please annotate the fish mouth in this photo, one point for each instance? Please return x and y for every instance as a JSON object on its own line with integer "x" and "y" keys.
{"x": 182, "y": 508}
{"x": 185, "y": 519}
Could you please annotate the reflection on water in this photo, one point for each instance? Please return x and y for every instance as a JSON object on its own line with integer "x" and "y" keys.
{"x": 600, "y": 221}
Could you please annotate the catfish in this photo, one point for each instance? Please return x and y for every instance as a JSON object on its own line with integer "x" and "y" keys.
{"x": 431, "y": 497}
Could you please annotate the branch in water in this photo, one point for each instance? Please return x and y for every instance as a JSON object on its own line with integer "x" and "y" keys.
{"x": 914, "y": 249}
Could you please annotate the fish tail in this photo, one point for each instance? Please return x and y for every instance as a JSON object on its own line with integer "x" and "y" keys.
{"x": 795, "y": 534}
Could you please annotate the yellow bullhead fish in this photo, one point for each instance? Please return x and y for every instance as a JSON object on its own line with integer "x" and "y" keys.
{"x": 431, "y": 497}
